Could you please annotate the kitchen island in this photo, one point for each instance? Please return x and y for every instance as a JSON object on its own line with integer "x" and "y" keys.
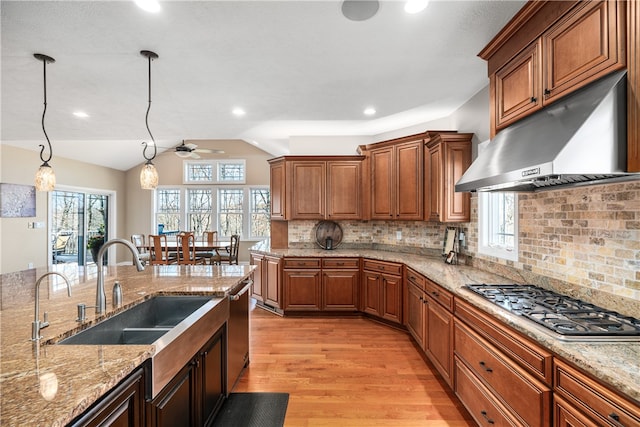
{"x": 47, "y": 384}
{"x": 616, "y": 363}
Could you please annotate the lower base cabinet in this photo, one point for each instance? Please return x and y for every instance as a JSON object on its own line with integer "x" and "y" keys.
{"x": 195, "y": 395}
{"x": 382, "y": 290}
{"x": 122, "y": 407}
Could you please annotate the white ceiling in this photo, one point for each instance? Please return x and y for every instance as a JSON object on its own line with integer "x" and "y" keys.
{"x": 298, "y": 68}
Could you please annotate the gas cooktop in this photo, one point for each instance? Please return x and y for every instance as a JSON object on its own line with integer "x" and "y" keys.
{"x": 567, "y": 317}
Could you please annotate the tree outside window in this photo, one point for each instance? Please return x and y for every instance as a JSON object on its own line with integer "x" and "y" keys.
{"x": 230, "y": 211}
{"x": 260, "y": 212}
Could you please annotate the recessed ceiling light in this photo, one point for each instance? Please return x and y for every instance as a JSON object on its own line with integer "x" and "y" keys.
{"x": 415, "y": 6}
{"x": 360, "y": 10}
{"x": 238, "y": 112}
{"x": 148, "y": 5}
{"x": 80, "y": 114}
{"x": 370, "y": 111}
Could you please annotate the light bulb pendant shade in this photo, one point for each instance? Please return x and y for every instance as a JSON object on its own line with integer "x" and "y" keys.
{"x": 45, "y": 177}
{"x": 148, "y": 176}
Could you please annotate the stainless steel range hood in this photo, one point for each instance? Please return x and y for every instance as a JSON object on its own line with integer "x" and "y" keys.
{"x": 579, "y": 140}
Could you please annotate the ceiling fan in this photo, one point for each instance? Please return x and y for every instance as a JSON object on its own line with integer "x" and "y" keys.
{"x": 191, "y": 150}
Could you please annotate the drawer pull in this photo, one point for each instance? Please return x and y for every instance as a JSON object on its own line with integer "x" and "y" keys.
{"x": 340, "y": 263}
{"x": 412, "y": 278}
{"x": 486, "y": 417}
{"x": 382, "y": 267}
{"x": 615, "y": 418}
{"x": 485, "y": 367}
{"x": 435, "y": 294}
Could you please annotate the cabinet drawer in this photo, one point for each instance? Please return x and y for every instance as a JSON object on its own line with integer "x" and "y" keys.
{"x": 529, "y": 398}
{"x": 439, "y": 294}
{"x": 531, "y": 356}
{"x": 340, "y": 263}
{"x": 603, "y": 405}
{"x": 301, "y": 263}
{"x": 480, "y": 403}
{"x": 385, "y": 267}
{"x": 416, "y": 278}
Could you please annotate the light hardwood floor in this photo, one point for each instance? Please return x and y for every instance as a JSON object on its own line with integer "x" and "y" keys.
{"x": 346, "y": 372}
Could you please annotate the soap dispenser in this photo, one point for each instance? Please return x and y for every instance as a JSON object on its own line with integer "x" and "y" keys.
{"x": 117, "y": 295}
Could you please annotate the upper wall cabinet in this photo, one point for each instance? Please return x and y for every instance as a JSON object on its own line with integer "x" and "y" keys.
{"x": 316, "y": 187}
{"x": 447, "y": 157}
{"x": 550, "y": 50}
{"x": 396, "y": 178}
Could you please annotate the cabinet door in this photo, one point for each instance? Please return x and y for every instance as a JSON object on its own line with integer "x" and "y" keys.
{"x": 439, "y": 339}
{"x": 302, "y": 289}
{"x": 391, "y": 288}
{"x": 122, "y": 407}
{"x": 434, "y": 182}
{"x": 212, "y": 373}
{"x": 586, "y": 45}
{"x": 257, "y": 287}
{"x": 278, "y": 193}
{"x": 518, "y": 86}
{"x": 415, "y": 316}
{"x": 272, "y": 277}
{"x": 176, "y": 403}
{"x": 382, "y": 193}
{"x": 371, "y": 293}
{"x": 408, "y": 181}
{"x": 457, "y": 159}
{"x": 340, "y": 290}
{"x": 566, "y": 416}
{"x": 344, "y": 184}
{"x": 308, "y": 190}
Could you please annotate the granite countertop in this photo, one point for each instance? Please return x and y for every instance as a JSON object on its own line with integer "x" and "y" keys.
{"x": 615, "y": 363}
{"x": 44, "y": 384}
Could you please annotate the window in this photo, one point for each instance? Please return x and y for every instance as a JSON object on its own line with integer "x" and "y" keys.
{"x": 199, "y": 210}
{"x": 498, "y": 225}
{"x": 168, "y": 208}
{"x": 214, "y": 171}
{"x": 260, "y": 209}
{"x": 230, "y": 211}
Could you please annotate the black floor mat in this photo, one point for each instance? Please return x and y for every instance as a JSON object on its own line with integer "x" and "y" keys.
{"x": 253, "y": 410}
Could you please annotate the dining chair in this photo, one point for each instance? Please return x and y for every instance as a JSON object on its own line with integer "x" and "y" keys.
{"x": 232, "y": 251}
{"x": 159, "y": 251}
{"x": 208, "y": 238}
{"x": 187, "y": 249}
{"x": 138, "y": 241}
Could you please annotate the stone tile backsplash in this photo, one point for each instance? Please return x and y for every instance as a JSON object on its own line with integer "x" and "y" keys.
{"x": 576, "y": 240}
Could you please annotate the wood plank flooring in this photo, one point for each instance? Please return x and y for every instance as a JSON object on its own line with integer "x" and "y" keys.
{"x": 346, "y": 372}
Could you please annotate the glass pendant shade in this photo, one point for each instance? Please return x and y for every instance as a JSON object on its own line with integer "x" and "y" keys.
{"x": 148, "y": 177}
{"x": 46, "y": 178}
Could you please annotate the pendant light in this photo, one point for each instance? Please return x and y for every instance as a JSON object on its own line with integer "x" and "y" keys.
{"x": 149, "y": 174}
{"x": 45, "y": 177}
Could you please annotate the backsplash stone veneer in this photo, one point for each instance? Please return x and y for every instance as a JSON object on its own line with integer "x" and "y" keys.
{"x": 583, "y": 242}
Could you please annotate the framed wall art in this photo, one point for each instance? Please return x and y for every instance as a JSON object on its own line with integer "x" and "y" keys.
{"x": 17, "y": 201}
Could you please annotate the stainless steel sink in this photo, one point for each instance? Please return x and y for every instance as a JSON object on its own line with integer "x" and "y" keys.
{"x": 144, "y": 323}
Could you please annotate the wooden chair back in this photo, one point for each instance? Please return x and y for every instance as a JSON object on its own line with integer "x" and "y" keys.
{"x": 158, "y": 250}
{"x": 187, "y": 249}
{"x": 209, "y": 237}
{"x": 233, "y": 249}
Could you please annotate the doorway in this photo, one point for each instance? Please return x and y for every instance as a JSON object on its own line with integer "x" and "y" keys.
{"x": 79, "y": 223}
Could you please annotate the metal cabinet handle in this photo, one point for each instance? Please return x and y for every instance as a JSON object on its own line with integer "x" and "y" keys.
{"x": 486, "y": 417}
{"x": 534, "y": 99}
{"x": 615, "y": 418}
{"x": 485, "y": 367}
{"x": 547, "y": 92}
{"x": 435, "y": 293}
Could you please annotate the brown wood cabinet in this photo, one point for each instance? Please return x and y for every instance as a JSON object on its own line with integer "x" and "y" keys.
{"x": 316, "y": 187}
{"x": 321, "y": 284}
{"x": 512, "y": 369}
{"x": 581, "y": 399}
{"x": 396, "y": 177}
{"x": 121, "y": 407}
{"x": 447, "y": 158}
{"x": 266, "y": 279}
{"x": 382, "y": 290}
{"x": 567, "y": 47}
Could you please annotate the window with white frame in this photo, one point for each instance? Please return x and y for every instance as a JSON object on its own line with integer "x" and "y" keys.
{"x": 199, "y": 215}
{"x": 260, "y": 210}
{"x": 230, "y": 211}
{"x": 227, "y": 171}
{"x": 168, "y": 208}
{"x": 498, "y": 225}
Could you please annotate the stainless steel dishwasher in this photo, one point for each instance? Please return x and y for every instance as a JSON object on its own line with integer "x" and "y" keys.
{"x": 238, "y": 333}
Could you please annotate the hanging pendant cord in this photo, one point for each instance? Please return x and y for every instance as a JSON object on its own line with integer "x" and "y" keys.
{"x": 146, "y": 120}
{"x": 42, "y": 147}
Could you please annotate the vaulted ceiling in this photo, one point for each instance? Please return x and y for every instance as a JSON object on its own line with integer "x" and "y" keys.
{"x": 297, "y": 68}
